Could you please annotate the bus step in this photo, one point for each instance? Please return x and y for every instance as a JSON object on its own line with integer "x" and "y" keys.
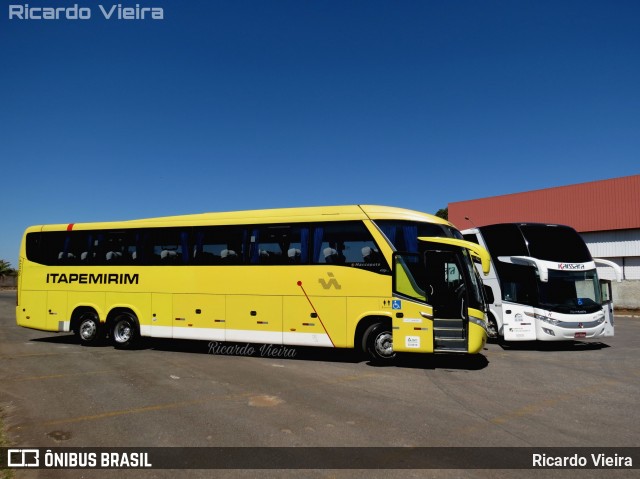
{"x": 449, "y": 323}
{"x": 449, "y": 333}
{"x": 450, "y": 350}
{"x": 450, "y": 344}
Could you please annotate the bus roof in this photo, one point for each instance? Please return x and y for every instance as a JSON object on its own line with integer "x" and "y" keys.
{"x": 280, "y": 215}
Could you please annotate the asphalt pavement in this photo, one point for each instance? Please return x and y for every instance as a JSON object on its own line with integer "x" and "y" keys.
{"x": 57, "y": 393}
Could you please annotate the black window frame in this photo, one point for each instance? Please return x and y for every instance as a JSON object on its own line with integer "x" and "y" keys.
{"x": 182, "y": 246}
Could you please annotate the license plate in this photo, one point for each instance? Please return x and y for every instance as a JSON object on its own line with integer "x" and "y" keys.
{"x": 580, "y": 335}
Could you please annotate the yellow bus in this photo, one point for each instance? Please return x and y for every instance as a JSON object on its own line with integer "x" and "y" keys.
{"x": 376, "y": 278}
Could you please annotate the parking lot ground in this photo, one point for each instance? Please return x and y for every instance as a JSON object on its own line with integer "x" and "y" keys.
{"x": 166, "y": 393}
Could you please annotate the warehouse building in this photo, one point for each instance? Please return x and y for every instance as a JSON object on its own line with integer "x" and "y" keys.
{"x": 606, "y": 213}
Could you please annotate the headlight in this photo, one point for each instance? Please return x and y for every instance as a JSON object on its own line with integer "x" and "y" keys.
{"x": 480, "y": 322}
{"x": 543, "y": 318}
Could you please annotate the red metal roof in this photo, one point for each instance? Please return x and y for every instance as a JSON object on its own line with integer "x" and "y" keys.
{"x": 595, "y": 206}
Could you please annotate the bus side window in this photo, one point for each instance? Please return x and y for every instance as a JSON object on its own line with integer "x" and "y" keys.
{"x": 118, "y": 247}
{"x": 35, "y": 248}
{"x": 346, "y": 243}
{"x": 72, "y": 247}
{"x": 167, "y": 246}
{"x": 47, "y": 247}
{"x": 279, "y": 245}
{"x": 473, "y": 238}
{"x": 218, "y": 245}
{"x": 409, "y": 276}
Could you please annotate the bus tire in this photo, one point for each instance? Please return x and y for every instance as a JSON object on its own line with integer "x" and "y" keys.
{"x": 89, "y": 329}
{"x": 124, "y": 330}
{"x": 492, "y": 327}
{"x": 378, "y": 343}
{"x": 493, "y": 333}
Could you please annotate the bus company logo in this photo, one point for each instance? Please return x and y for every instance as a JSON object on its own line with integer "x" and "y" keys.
{"x": 570, "y": 266}
{"x": 89, "y": 278}
{"x": 333, "y": 282}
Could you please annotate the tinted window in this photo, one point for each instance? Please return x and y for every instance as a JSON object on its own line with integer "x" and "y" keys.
{"x": 504, "y": 240}
{"x": 518, "y": 283}
{"x": 555, "y": 243}
{"x": 471, "y": 237}
{"x": 281, "y": 245}
{"x": 44, "y": 247}
{"x": 409, "y": 277}
{"x": 347, "y": 243}
{"x": 110, "y": 247}
{"x": 166, "y": 246}
{"x": 404, "y": 234}
{"x": 218, "y": 245}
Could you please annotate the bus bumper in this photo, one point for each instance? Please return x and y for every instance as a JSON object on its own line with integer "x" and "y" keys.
{"x": 477, "y": 336}
{"x": 549, "y": 332}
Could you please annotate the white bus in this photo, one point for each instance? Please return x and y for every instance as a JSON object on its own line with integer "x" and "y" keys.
{"x": 543, "y": 284}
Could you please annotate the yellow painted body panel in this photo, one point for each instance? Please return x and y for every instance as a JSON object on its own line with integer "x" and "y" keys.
{"x": 195, "y": 312}
{"x": 413, "y": 327}
{"x": 161, "y": 321}
{"x": 477, "y": 334}
{"x": 477, "y": 338}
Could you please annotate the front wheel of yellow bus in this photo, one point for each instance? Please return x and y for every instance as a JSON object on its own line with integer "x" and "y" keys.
{"x": 378, "y": 343}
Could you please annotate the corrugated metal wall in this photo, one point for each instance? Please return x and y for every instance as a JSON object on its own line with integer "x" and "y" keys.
{"x": 621, "y": 247}
{"x": 630, "y": 268}
{"x": 596, "y": 206}
{"x": 612, "y": 244}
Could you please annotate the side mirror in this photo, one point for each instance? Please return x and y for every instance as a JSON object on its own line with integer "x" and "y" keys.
{"x": 488, "y": 292}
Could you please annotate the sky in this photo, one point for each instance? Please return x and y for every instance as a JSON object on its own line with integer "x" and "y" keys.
{"x": 227, "y": 105}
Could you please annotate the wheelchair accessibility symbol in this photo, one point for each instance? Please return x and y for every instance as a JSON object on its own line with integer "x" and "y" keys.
{"x": 396, "y": 304}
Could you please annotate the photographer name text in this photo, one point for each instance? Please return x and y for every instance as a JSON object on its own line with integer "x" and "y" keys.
{"x": 577, "y": 461}
{"x": 76, "y": 12}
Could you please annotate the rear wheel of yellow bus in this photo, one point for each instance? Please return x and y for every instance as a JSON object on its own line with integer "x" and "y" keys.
{"x": 124, "y": 331}
{"x": 89, "y": 329}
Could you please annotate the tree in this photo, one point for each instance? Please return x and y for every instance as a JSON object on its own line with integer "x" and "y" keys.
{"x": 6, "y": 269}
{"x": 443, "y": 213}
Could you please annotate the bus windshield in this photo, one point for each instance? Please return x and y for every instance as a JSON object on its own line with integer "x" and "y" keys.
{"x": 403, "y": 235}
{"x": 555, "y": 243}
{"x": 570, "y": 292}
{"x": 476, "y": 299}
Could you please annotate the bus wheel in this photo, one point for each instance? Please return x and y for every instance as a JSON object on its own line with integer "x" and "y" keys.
{"x": 89, "y": 330}
{"x": 378, "y": 343}
{"x": 492, "y": 328}
{"x": 124, "y": 331}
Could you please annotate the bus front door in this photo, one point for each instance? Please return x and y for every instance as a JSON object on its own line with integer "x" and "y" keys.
{"x": 438, "y": 282}
{"x": 446, "y": 292}
{"x": 413, "y": 319}
{"x": 607, "y": 306}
